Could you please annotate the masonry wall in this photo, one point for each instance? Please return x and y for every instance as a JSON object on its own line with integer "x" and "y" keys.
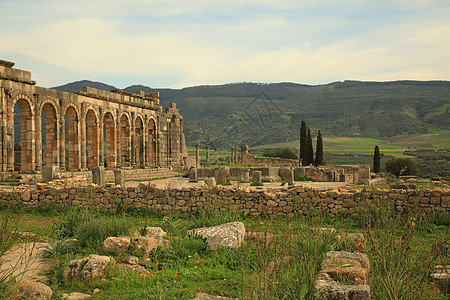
{"x": 281, "y": 201}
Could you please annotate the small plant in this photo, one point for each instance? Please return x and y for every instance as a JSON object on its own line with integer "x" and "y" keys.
{"x": 58, "y": 248}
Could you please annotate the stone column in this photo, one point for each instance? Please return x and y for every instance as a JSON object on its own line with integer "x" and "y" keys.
{"x": 236, "y": 161}
{"x": 62, "y": 143}
{"x": 197, "y": 156}
{"x": 118, "y": 146}
{"x": 144, "y": 161}
{"x": 101, "y": 138}
{"x": 244, "y": 153}
{"x": 10, "y": 139}
{"x": 38, "y": 138}
{"x": 83, "y": 139}
{"x": 207, "y": 154}
{"x": 216, "y": 154}
{"x": 133, "y": 140}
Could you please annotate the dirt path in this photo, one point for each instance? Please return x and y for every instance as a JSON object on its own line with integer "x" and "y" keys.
{"x": 26, "y": 261}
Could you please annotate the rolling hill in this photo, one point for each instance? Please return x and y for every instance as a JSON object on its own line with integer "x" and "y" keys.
{"x": 254, "y": 113}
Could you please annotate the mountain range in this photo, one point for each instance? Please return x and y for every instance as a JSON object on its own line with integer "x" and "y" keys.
{"x": 258, "y": 113}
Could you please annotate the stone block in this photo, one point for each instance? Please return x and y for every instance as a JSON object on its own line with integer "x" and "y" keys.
{"x": 49, "y": 172}
{"x": 288, "y": 175}
{"x": 119, "y": 177}
{"x": 98, "y": 175}
{"x": 257, "y": 176}
{"x": 210, "y": 182}
{"x": 193, "y": 174}
{"x": 222, "y": 175}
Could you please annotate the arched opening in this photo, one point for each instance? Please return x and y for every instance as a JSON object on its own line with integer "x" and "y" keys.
{"x": 124, "y": 140}
{"x": 139, "y": 142}
{"x": 92, "y": 139}
{"x": 109, "y": 140}
{"x": 72, "y": 143}
{"x": 152, "y": 143}
{"x": 49, "y": 125}
{"x": 23, "y": 137}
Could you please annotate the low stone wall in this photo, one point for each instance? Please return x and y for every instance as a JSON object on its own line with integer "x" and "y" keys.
{"x": 250, "y": 159}
{"x": 255, "y": 201}
{"x": 268, "y": 173}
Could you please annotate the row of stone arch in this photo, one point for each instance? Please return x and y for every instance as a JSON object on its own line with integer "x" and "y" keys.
{"x": 94, "y": 136}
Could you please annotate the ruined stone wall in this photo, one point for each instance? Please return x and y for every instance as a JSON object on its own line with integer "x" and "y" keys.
{"x": 137, "y": 131}
{"x": 281, "y": 201}
{"x": 250, "y": 159}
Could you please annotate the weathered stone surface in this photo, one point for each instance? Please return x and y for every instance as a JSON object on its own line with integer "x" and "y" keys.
{"x": 145, "y": 244}
{"x": 116, "y": 244}
{"x": 119, "y": 177}
{"x": 288, "y": 175}
{"x": 210, "y": 182}
{"x": 441, "y": 276}
{"x": 98, "y": 175}
{"x": 76, "y": 296}
{"x": 226, "y": 235}
{"x": 257, "y": 176}
{"x": 326, "y": 288}
{"x": 87, "y": 268}
{"x": 157, "y": 233}
{"x": 222, "y": 175}
{"x": 203, "y": 296}
{"x": 343, "y": 256}
{"x": 265, "y": 237}
{"x": 35, "y": 290}
{"x": 245, "y": 175}
{"x": 193, "y": 174}
{"x": 49, "y": 173}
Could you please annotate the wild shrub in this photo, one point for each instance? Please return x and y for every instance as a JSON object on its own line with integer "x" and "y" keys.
{"x": 399, "y": 266}
{"x": 8, "y": 225}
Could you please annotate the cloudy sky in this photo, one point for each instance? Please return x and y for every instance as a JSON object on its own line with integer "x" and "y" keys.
{"x": 183, "y": 43}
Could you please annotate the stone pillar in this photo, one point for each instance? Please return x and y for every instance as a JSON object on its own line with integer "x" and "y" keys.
{"x": 83, "y": 141}
{"x": 246, "y": 175}
{"x": 197, "y": 156}
{"x": 133, "y": 140}
{"x": 193, "y": 174}
{"x": 62, "y": 143}
{"x": 236, "y": 161}
{"x": 10, "y": 149}
{"x": 38, "y": 138}
{"x": 101, "y": 138}
{"x": 216, "y": 154}
{"x": 207, "y": 154}
{"x": 144, "y": 159}
{"x": 257, "y": 176}
{"x": 98, "y": 175}
{"x": 288, "y": 175}
{"x": 244, "y": 153}
{"x": 119, "y": 177}
{"x": 48, "y": 172}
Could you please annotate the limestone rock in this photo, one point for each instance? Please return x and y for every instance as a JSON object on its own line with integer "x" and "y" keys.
{"x": 116, "y": 244}
{"x": 155, "y": 232}
{"x": 222, "y": 175}
{"x": 441, "y": 276}
{"x": 76, "y": 296}
{"x": 257, "y": 176}
{"x": 226, "y": 235}
{"x": 326, "y": 288}
{"x": 35, "y": 290}
{"x": 87, "y": 268}
{"x": 288, "y": 175}
{"x": 204, "y": 296}
{"x": 210, "y": 182}
{"x": 145, "y": 244}
{"x": 344, "y": 256}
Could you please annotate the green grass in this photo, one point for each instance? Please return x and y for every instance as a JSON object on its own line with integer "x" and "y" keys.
{"x": 360, "y": 145}
{"x": 187, "y": 266}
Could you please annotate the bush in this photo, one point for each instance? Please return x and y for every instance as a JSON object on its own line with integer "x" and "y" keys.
{"x": 281, "y": 153}
{"x": 401, "y": 166}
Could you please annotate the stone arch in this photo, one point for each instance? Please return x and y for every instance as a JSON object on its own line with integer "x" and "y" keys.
{"x": 24, "y": 148}
{"x": 124, "y": 139}
{"x": 110, "y": 139}
{"x": 73, "y": 137}
{"x": 49, "y": 132}
{"x": 92, "y": 138}
{"x": 152, "y": 138}
{"x": 139, "y": 141}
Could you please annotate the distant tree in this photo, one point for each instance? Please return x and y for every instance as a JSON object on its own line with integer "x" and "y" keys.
{"x": 281, "y": 153}
{"x": 309, "y": 150}
{"x": 319, "y": 150}
{"x": 401, "y": 166}
{"x": 303, "y": 143}
{"x": 376, "y": 160}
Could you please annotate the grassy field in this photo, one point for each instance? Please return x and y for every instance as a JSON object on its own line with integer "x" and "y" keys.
{"x": 188, "y": 266}
{"x": 394, "y": 146}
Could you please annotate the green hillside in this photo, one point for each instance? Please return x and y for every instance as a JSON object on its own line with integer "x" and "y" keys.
{"x": 256, "y": 114}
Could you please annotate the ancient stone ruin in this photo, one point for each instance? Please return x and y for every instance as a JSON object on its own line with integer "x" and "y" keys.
{"x": 110, "y": 129}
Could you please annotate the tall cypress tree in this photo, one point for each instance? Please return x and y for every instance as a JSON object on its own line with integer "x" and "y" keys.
{"x": 319, "y": 150}
{"x": 376, "y": 160}
{"x": 303, "y": 143}
{"x": 309, "y": 150}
